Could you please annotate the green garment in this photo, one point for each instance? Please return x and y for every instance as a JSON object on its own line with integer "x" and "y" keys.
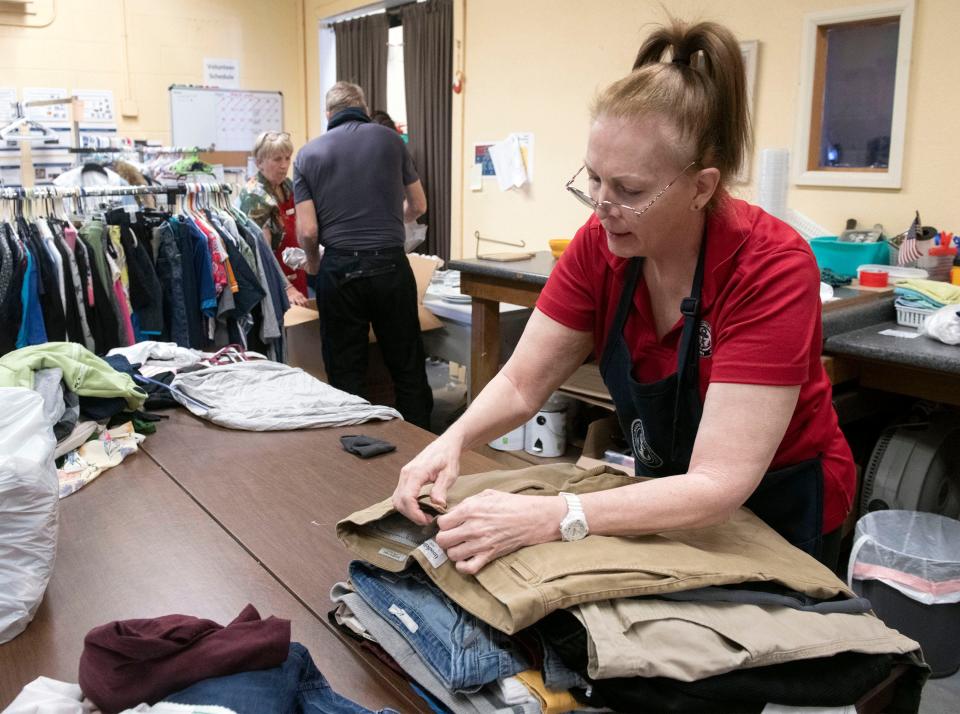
{"x": 83, "y": 372}
{"x": 262, "y": 203}
{"x": 92, "y": 235}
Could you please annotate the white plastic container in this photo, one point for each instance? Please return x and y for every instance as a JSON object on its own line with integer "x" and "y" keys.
{"x": 546, "y": 432}
{"x": 895, "y": 272}
{"x": 511, "y": 441}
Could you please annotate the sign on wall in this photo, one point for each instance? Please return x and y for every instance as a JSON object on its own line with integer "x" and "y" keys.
{"x": 223, "y": 73}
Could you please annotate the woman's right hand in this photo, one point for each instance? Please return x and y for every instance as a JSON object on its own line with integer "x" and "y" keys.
{"x": 438, "y": 464}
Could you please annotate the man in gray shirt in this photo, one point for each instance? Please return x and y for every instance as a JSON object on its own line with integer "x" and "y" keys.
{"x": 354, "y": 187}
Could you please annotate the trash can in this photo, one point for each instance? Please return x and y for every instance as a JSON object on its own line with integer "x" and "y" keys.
{"x": 907, "y": 563}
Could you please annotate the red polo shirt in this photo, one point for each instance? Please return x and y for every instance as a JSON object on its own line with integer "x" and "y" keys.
{"x": 760, "y": 324}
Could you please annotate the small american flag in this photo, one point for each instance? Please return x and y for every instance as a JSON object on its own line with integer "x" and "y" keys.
{"x": 909, "y": 252}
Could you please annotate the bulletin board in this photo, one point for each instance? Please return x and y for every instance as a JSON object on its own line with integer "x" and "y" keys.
{"x": 229, "y": 119}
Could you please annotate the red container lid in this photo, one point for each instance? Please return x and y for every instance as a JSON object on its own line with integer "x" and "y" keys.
{"x": 873, "y": 278}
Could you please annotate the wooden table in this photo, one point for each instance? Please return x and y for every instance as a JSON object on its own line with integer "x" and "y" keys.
{"x": 280, "y": 494}
{"x": 205, "y": 520}
{"x": 490, "y": 283}
{"x": 134, "y": 544}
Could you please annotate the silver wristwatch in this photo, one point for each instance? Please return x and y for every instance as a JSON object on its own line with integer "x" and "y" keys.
{"x": 574, "y": 524}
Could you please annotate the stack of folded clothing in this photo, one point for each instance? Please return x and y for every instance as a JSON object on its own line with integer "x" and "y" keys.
{"x": 183, "y": 663}
{"x": 926, "y": 295}
{"x": 722, "y": 619}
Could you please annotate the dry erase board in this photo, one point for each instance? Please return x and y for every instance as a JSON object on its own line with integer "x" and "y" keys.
{"x": 228, "y": 119}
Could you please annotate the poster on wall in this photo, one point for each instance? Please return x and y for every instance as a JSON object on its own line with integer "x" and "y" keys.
{"x": 481, "y": 155}
{"x": 523, "y": 141}
{"x": 51, "y": 112}
{"x": 97, "y": 104}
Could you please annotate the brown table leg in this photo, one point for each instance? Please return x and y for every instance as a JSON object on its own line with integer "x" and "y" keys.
{"x": 484, "y": 344}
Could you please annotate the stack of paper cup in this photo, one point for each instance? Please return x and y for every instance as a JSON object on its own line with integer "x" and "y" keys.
{"x": 774, "y": 181}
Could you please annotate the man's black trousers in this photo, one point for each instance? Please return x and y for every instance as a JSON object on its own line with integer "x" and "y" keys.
{"x": 356, "y": 290}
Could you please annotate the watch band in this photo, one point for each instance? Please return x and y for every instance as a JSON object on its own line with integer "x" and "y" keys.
{"x": 573, "y": 503}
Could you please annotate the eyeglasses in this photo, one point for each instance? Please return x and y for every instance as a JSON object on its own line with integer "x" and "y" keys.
{"x": 595, "y": 205}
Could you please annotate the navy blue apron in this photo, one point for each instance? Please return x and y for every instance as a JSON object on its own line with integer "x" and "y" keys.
{"x": 660, "y": 420}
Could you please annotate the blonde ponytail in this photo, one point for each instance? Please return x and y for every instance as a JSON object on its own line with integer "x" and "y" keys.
{"x": 693, "y": 76}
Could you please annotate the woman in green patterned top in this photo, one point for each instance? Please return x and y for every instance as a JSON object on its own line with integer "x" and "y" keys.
{"x": 268, "y": 200}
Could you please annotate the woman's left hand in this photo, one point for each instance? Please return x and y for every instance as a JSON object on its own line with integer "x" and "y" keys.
{"x": 493, "y": 523}
{"x": 295, "y": 296}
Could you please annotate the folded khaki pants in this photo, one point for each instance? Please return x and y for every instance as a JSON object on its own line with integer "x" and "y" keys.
{"x": 688, "y": 641}
{"x": 520, "y": 588}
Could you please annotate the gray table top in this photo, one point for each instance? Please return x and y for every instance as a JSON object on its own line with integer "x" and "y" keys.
{"x": 842, "y": 318}
{"x": 534, "y": 270}
{"x": 920, "y": 352}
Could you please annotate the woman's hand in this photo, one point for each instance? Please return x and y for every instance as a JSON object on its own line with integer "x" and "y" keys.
{"x": 493, "y": 523}
{"x": 295, "y": 296}
{"x": 438, "y": 464}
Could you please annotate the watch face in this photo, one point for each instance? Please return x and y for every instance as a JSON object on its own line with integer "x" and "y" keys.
{"x": 574, "y": 530}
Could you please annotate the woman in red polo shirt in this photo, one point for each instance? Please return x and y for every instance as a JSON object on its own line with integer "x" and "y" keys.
{"x": 705, "y": 314}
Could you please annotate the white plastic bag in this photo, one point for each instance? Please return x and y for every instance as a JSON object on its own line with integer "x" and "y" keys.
{"x": 28, "y": 508}
{"x": 415, "y": 234}
{"x": 944, "y": 325}
{"x": 913, "y": 552}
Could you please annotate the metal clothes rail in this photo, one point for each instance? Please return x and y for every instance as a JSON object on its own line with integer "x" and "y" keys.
{"x": 179, "y": 189}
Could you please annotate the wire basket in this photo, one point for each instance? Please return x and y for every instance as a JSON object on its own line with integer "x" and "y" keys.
{"x": 912, "y": 316}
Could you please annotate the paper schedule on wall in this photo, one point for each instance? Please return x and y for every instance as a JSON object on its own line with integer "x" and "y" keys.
{"x": 228, "y": 119}
{"x": 512, "y": 160}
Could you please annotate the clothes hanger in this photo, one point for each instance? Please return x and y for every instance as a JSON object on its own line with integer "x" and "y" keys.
{"x": 91, "y": 166}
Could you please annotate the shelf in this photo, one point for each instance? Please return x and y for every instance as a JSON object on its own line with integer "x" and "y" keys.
{"x": 587, "y": 385}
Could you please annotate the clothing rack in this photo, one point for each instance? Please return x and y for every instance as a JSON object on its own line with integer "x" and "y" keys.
{"x": 101, "y": 150}
{"x": 180, "y": 189}
{"x": 145, "y": 149}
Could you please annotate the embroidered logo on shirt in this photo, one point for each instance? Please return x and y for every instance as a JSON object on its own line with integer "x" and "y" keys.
{"x": 704, "y": 338}
{"x": 642, "y": 448}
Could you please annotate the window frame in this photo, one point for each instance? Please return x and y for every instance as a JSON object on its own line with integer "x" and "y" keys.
{"x": 811, "y": 81}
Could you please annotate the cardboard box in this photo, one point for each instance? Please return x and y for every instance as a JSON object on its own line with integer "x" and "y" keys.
{"x": 302, "y": 329}
{"x": 599, "y": 438}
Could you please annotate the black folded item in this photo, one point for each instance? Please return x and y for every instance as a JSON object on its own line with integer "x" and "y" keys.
{"x": 366, "y": 446}
{"x": 97, "y": 408}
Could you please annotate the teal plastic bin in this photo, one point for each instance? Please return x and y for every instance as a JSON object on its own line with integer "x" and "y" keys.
{"x": 845, "y": 258}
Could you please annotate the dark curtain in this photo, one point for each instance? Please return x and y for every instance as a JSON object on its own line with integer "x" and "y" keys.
{"x": 428, "y": 71}
{"x": 362, "y": 56}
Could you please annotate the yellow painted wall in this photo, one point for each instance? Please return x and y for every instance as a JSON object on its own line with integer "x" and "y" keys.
{"x": 530, "y": 66}
{"x": 533, "y": 66}
{"x": 82, "y": 48}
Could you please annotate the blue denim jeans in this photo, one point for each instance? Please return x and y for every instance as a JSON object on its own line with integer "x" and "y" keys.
{"x": 295, "y": 687}
{"x": 464, "y": 652}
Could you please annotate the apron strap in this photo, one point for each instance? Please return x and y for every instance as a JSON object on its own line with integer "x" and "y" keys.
{"x": 630, "y": 277}
{"x": 687, "y": 359}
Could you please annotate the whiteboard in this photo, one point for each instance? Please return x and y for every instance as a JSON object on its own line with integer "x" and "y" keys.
{"x": 228, "y": 119}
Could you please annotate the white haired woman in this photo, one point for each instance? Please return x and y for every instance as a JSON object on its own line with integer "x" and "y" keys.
{"x": 268, "y": 200}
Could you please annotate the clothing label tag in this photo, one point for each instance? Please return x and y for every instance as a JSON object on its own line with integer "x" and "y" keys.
{"x": 401, "y": 614}
{"x": 900, "y": 333}
{"x": 392, "y": 554}
{"x": 291, "y": 211}
{"x": 434, "y": 552}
